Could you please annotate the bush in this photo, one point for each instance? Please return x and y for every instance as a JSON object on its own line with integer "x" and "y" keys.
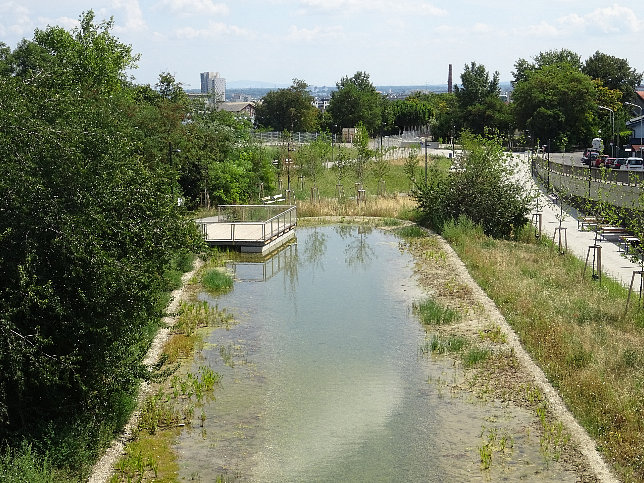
{"x": 482, "y": 189}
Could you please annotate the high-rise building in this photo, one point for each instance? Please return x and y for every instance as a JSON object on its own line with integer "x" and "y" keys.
{"x": 211, "y": 82}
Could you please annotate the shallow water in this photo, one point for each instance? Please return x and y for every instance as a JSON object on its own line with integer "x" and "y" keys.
{"x": 323, "y": 379}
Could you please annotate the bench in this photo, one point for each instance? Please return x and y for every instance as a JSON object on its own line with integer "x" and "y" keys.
{"x": 626, "y": 242}
{"x": 605, "y": 230}
{"x": 587, "y": 222}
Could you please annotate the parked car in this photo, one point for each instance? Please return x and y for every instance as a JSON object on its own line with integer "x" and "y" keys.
{"x": 600, "y": 161}
{"x": 633, "y": 164}
{"x": 609, "y": 163}
{"x": 619, "y": 162}
{"x": 589, "y": 157}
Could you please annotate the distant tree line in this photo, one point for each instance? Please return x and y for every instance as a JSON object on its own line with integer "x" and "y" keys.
{"x": 555, "y": 98}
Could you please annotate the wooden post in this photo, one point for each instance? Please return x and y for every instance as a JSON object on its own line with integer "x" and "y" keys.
{"x": 597, "y": 262}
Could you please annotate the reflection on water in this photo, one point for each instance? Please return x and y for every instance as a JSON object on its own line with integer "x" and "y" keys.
{"x": 325, "y": 382}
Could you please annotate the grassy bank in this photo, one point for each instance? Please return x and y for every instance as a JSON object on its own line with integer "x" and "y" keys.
{"x": 577, "y": 330}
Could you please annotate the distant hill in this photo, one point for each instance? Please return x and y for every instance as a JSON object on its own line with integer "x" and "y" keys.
{"x": 251, "y": 84}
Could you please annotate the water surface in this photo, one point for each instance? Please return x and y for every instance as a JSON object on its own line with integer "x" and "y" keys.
{"x": 323, "y": 379}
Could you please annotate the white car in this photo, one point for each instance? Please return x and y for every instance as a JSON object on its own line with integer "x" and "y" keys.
{"x": 633, "y": 164}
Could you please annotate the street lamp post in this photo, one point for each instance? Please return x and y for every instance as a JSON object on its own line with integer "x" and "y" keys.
{"x": 612, "y": 120}
{"x": 641, "y": 127}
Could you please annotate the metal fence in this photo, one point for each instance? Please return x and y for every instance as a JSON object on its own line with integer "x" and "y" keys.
{"x": 249, "y": 223}
{"x": 617, "y": 187}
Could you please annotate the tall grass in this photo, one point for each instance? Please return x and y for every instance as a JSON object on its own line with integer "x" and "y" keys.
{"x": 216, "y": 281}
{"x": 576, "y": 329}
{"x": 23, "y": 465}
{"x": 385, "y": 207}
{"x": 431, "y": 312}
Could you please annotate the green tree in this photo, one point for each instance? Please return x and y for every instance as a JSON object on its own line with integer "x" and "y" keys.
{"x": 87, "y": 228}
{"x": 364, "y": 154}
{"x": 355, "y": 101}
{"x": 543, "y": 59}
{"x": 614, "y": 73}
{"x": 411, "y": 112}
{"x": 288, "y": 109}
{"x": 479, "y": 104}
{"x": 483, "y": 190}
{"x": 556, "y": 101}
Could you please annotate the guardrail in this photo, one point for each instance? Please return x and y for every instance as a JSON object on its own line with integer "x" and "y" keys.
{"x": 618, "y": 187}
{"x": 256, "y": 224}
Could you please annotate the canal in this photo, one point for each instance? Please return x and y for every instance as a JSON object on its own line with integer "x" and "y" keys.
{"x": 323, "y": 378}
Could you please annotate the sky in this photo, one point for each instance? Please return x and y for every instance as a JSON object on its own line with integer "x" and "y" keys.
{"x": 396, "y": 42}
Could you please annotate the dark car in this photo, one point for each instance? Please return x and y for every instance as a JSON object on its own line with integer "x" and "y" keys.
{"x": 609, "y": 162}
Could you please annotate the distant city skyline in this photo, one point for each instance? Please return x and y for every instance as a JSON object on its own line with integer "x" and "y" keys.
{"x": 320, "y": 41}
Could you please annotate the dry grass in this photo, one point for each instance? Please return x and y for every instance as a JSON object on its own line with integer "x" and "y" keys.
{"x": 380, "y": 206}
{"x": 577, "y": 331}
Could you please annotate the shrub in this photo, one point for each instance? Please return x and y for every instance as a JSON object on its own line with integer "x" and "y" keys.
{"x": 482, "y": 189}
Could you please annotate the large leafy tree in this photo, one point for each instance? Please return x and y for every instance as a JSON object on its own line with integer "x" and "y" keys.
{"x": 550, "y": 57}
{"x": 87, "y": 228}
{"x": 556, "y": 102}
{"x": 614, "y": 73}
{"x": 479, "y": 103}
{"x": 411, "y": 112}
{"x": 288, "y": 109}
{"x": 356, "y": 101}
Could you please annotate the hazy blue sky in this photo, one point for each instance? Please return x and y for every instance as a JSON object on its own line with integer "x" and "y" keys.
{"x": 396, "y": 42}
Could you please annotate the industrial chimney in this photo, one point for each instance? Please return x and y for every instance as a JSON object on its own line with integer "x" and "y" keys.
{"x": 449, "y": 80}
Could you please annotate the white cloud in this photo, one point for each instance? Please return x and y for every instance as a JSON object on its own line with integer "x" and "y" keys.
{"x": 195, "y": 7}
{"x": 314, "y": 34}
{"x": 404, "y": 7}
{"x": 540, "y": 30}
{"x": 134, "y": 20}
{"x": 483, "y": 28}
{"x": 615, "y": 18}
{"x": 215, "y": 29}
{"x": 15, "y": 20}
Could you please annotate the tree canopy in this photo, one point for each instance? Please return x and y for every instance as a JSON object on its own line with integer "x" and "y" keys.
{"x": 478, "y": 98}
{"x": 355, "y": 101}
{"x": 614, "y": 73}
{"x": 288, "y": 109}
{"x": 555, "y": 102}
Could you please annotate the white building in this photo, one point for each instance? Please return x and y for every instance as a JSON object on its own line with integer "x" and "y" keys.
{"x": 212, "y": 83}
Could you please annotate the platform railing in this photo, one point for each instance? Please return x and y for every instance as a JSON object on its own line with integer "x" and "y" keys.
{"x": 249, "y": 223}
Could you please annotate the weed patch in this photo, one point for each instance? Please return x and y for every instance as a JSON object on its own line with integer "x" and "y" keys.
{"x": 431, "y": 312}
{"x": 216, "y": 281}
{"x": 475, "y": 355}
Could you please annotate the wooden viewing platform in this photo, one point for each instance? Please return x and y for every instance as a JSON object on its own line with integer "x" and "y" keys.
{"x": 251, "y": 228}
